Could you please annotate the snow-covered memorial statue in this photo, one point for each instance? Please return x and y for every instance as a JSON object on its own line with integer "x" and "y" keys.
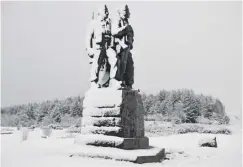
{"x": 109, "y": 50}
{"x": 113, "y": 113}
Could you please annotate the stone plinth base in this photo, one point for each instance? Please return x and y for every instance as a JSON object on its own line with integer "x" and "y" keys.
{"x": 112, "y": 141}
{"x": 114, "y": 113}
{"x": 135, "y": 143}
{"x": 137, "y": 156}
{"x": 113, "y": 127}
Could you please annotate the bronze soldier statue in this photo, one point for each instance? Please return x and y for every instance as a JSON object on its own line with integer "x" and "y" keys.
{"x": 103, "y": 63}
{"x": 125, "y": 64}
{"x": 97, "y": 42}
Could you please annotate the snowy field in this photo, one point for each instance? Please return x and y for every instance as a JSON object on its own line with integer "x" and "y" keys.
{"x": 182, "y": 150}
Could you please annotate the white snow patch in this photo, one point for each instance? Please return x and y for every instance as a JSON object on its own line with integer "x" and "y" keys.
{"x": 182, "y": 150}
{"x": 114, "y": 153}
{"x": 92, "y": 111}
{"x": 96, "y": 97}
{"x": 89, "y": 138}
{"x": 211, "y": 141}
{"x": 95, "y": 120}
{"x": 99, "y": 130}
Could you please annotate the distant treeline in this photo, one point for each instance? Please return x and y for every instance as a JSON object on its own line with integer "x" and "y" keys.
{"x": 184, "y": 106}
{"x": 179, "y": 106}
{"x": 65, "y": 112}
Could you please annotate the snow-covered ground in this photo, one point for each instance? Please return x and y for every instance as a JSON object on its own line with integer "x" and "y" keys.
{"x": 182, "y": 150}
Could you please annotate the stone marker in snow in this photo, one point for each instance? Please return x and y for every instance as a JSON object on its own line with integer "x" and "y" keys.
{"x": 114, "y": 117}
{"x": 118, "y": 113}
{"x": 208, "y": 142}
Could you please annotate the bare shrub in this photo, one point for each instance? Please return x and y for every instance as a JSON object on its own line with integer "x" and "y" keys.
{"x": 25, "y": 133}
{"x": 7, "y": 130}
{"x": 18, "y": 127}
{"x": 74, "y": 130}
{"x": 191, "y": 128}
{"x": 164, "y": 129}
{"x": 208, "y": 142}
{"x": 46, "y": 130}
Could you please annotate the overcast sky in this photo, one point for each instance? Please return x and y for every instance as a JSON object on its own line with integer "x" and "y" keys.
{"x": 195, "y": 45}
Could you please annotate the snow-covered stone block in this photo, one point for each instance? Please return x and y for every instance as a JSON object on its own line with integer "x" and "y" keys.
{"x": 109, "y": 131}
{"x": 105, "y": 97}
{"x": 101, "y": 112}
{"x": 99, "y": 140}
{"x": 208, "y": 142}
{"x": 132, "y": 114}
{"x": 153, "y": 154}
{"x": 102, "y": 121}
{"x": 135, "y": 143}
{"x": 112, "y": 141}
{"x": 122, "y": 116}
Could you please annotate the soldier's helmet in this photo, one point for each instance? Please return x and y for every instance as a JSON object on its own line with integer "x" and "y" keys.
{"x": 103, "y": 13}
{"x": 124, "y": 13}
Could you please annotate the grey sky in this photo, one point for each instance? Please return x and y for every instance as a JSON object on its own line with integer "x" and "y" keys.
{"x": 194, "y": 45}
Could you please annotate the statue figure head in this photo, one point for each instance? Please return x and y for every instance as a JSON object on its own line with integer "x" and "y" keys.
{"x": 124, "y": 13}
{"x": 103, "y": 13}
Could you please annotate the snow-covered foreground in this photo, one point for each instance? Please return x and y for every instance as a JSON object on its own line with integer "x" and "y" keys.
{"x": 183, "y": 151}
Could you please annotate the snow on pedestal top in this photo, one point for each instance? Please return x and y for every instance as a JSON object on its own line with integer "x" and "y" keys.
{"x": 103, "y": 97}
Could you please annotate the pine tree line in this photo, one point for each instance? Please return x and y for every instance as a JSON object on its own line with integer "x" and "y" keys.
{"x": 179, "y": 106}
{"x": 184, "y": 106}
{"x": 65, "y": 112}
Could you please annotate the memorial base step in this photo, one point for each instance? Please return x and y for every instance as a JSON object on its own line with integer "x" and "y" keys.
{"x": 112, "y": 141}
{"x": 140, "y": 156}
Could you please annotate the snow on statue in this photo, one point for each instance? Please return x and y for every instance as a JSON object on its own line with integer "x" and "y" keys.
{"x": 123, "y": 33}
{"x": 99, "y": 48}
{"x": 108, "y": 47}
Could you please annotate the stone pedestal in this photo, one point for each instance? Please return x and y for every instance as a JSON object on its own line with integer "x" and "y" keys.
{"x": 117, "y": 113}
{"x": 115, "y": 118}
